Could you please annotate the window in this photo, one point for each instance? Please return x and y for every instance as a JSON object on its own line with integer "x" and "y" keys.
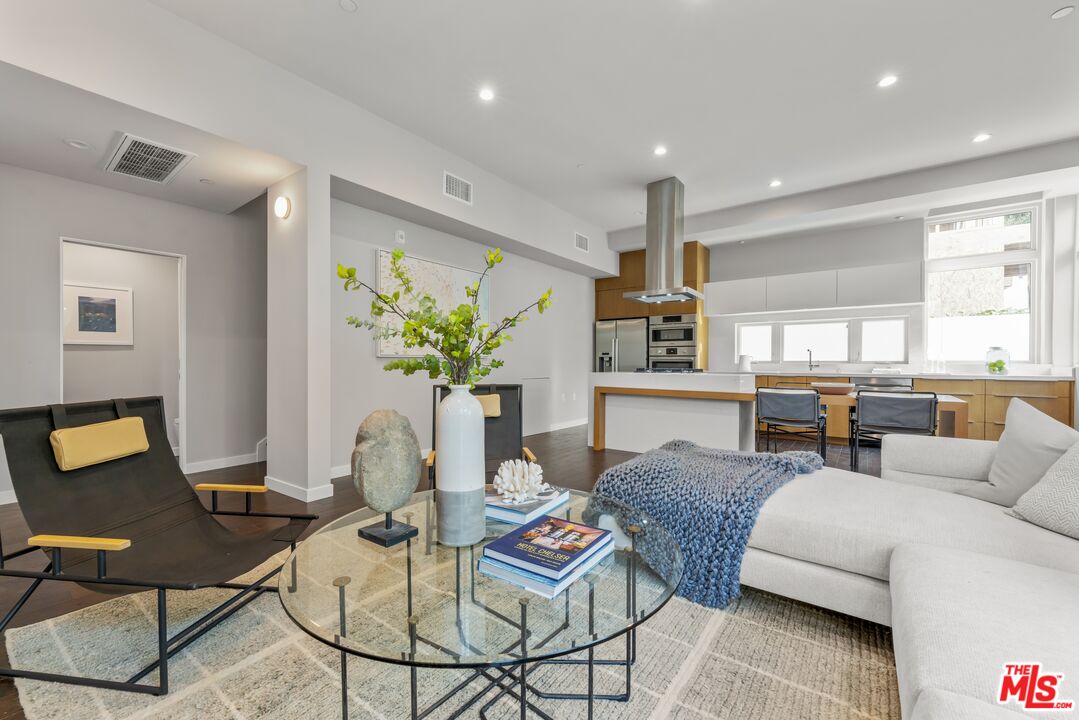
{"x": 981, "y": 235}
{"x": 980, "y": 274}
{"x": 829, "y": 341}
{"x": 973, "y": 310}
{"x": 755, "y": 341}
{"x": 870, "y": 340}
{"x": 884, "y": 340}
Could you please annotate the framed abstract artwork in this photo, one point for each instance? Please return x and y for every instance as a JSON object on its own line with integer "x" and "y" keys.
{"x": 445, "y": 283}
{"x": 95, "y": 315}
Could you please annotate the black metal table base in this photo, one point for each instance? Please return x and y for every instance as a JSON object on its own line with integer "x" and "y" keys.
{"x": 510, "y": 680}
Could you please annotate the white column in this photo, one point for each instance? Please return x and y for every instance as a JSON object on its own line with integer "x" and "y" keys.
{"x": 297, "y": 338}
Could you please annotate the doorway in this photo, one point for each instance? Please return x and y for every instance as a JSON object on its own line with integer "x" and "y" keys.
{"x": 122, "y": 328}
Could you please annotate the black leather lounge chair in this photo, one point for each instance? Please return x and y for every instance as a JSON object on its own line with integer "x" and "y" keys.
{"x": 503, "y": 425}
{"x": 129, "y": 524}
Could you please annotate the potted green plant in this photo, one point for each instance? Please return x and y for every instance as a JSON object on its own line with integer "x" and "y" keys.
{"x": 459, "y": 346}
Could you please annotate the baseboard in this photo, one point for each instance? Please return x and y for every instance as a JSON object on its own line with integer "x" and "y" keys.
{"x": 7, "y": 497}
{"x": 218, "y": 463}
{"x": 568, "y": 424}
{"x": 306, "y": 495}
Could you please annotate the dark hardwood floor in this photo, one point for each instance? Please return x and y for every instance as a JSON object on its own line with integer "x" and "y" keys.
{"x": 564, "y": 454}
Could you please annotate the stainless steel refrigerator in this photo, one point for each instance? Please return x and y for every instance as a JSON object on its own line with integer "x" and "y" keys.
{"x": 621, "y": 345}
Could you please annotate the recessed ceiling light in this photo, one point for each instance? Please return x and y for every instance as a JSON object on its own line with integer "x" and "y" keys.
{"x": 660, "y": 150}
{"x": 981, "y": 137}
{"x": 1062, "y": 12}
{"x": 77, "y": 144}
{"x": 348, "y": 5}
{"x": 206, "y": 181}
{"x": 775, "y": 183}
{"x": 899, "y": 217}
{"x": 487, "y": 94}
{"x": 887, "y": 81}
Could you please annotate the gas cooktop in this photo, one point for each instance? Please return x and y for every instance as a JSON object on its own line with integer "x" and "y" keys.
{"x": 669, "y": 370}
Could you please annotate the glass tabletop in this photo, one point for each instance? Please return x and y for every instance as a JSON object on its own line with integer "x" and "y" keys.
{"x": 426, "y": 604}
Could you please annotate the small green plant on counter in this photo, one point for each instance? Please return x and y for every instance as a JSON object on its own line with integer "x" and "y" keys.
{"x": 997, "y": 367}
{"x": 461, "y": 344}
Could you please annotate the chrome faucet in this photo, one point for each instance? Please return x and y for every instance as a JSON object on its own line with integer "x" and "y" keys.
{"x": 811, "y": 363}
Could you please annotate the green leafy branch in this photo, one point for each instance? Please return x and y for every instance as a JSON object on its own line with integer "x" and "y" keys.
{"x": 461, "y": 344}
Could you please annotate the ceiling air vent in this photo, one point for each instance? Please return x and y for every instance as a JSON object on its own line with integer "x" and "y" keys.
{"x": 580, "y": 241}
{"x": 456, "y": 188}
{"x": 147, "y": 160}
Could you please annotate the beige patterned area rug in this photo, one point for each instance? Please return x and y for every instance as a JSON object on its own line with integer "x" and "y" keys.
{"x": 764, "y": 657}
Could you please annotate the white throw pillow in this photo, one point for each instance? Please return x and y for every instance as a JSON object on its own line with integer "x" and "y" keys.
{"x": 1053, "y": 503}
{"x": 1031, "y": 443}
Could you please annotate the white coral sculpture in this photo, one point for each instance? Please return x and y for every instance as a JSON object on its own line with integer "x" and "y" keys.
{"x": 518, "y": 481}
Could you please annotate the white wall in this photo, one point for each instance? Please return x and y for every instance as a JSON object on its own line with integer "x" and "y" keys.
{"x": 901, "y": 242}
{"x": 549, "y": 355}
{"x": 226, "y": 291}
{"x": 137, "y": 53}
{"x": 152, "y": 365}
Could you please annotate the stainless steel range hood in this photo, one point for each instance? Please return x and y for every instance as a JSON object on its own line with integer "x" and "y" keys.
{"x": 663, "y": 280}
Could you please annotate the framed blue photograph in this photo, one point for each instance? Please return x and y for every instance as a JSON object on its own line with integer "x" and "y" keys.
{"x": 96, "y": 315}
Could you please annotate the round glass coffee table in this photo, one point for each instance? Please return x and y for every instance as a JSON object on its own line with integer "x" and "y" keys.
{"x": 425, "y": 605}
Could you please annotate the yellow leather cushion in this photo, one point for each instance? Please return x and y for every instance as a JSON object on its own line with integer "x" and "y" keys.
{"x": 492, "y": 405}
{"x": 80, "y": 447}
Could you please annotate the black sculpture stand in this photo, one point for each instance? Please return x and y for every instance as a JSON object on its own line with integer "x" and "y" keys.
{"x": 389, "y": 533}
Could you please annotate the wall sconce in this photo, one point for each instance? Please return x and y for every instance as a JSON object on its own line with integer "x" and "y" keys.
{"x": 282, "y": 206}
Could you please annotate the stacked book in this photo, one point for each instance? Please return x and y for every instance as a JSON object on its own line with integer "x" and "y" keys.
{"x": 498, "y": 508}
{"x": 546, "y": 555}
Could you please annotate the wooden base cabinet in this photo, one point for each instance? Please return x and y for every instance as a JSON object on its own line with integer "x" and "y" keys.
{"x": 973, "y": 391}
{"x": 987, "y": 401}
{"x": 1052, "y": 397}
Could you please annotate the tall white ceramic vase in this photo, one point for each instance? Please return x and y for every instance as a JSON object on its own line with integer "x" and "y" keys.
{"x": 459, "y": 468}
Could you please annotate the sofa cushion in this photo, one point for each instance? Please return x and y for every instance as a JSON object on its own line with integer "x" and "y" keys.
{"x": 853, "y": 522}
{"x": 958, "y": 617}
{"x": 1031, "y": 443}
{"x": 936, "y": 704}
{"x": 1053, "y": 503}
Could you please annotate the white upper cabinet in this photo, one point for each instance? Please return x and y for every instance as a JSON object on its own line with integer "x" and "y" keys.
{"x": 801, "y": 291}
{"x": 881, "y": 285}
{"x": 893, "y": 284}
{"x": 732, "y": 297}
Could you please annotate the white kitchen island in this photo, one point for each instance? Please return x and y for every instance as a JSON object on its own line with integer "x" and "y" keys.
{"x": 641, "y": 411}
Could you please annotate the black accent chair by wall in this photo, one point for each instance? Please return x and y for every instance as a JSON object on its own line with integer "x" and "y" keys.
{"x": 128, "y": 524}
{"x": 502, "y": 426}
{"x": 780, "y": 409}
{"x": 877, "y": 414}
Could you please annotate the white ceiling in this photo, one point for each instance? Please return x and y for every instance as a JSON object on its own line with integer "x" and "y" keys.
{"x": 33, "y": 130}
{"x": 740, "y": 92}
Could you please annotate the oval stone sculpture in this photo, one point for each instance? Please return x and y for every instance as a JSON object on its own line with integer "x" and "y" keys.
{"x": 386, "y": 460}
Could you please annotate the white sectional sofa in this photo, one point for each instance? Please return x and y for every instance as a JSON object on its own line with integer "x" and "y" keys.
{"x": 965, "y": 585}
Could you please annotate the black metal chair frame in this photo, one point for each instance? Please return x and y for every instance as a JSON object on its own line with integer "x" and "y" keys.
{"x": 775, "y": 426}
{"x": 167, "y": 646}
{"x": 876, "y": 433}
{"x": 438, "y": 392}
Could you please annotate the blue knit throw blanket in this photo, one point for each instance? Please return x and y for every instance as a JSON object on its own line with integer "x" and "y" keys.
{"x": 709, "y": 501}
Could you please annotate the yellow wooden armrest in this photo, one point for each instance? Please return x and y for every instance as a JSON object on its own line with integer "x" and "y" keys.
{"x": 430, "y": 458}
{"x": 229, "y": 487}
{"x": 529, "y": 455}
{"x": 79, "y": 543}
